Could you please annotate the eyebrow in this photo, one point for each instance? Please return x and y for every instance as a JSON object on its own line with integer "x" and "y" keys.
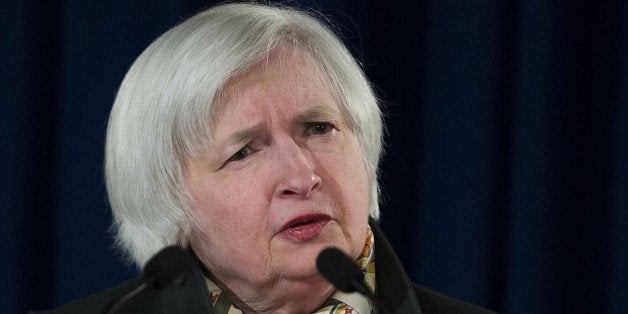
{"x": 314, "y": 114}
{"x": 319, "y": 113}
{"x": 243, "y": 135}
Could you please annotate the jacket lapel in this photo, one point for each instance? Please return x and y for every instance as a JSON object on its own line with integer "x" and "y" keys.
{"x": 394, "y": 289}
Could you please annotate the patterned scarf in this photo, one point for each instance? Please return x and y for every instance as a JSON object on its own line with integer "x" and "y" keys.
{"x": 339, "y": 302}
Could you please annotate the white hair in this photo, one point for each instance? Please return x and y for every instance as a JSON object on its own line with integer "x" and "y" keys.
{"x": 162, "y": 112}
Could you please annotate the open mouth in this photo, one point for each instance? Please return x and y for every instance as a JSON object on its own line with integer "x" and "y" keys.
{"x": 305, "y": 227}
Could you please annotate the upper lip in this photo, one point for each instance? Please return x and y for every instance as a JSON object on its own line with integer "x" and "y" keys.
{"x": 303, "y": 219}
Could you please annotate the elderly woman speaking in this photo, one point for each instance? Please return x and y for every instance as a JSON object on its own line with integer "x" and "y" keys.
{"x": 249, "y": 136}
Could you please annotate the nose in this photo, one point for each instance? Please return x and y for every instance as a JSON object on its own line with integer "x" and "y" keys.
{"x": 297, "y": 175}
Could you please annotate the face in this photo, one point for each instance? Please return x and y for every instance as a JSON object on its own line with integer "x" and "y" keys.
{"x": 282, "y": 176}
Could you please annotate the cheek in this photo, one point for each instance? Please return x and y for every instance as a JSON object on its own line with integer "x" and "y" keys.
{"x": 348, "y": 183}
{"x": 224, "y": 207}
{"x": 356, "y": 183}
{"x": 349, "y": 169}
{"x": 227, "y": 227}
{"x": 215, "y": 210}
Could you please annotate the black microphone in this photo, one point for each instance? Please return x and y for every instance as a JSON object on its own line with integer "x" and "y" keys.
{"x": 168, "y": 266}
{"x": 340, "y": 270}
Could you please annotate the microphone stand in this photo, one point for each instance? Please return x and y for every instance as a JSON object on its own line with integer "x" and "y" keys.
{"x": 366, "y": 291}
{"x": 127, "y": 297}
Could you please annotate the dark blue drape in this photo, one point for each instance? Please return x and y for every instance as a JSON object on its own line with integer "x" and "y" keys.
{"x": 505, "y": 179}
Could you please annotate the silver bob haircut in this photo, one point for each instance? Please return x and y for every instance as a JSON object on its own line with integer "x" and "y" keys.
{"x": 162, "y": 112}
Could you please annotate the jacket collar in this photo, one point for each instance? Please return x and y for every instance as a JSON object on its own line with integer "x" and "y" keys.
{"x": 394, "y": 289}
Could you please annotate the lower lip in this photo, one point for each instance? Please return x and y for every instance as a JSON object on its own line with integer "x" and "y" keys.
{"x": 306, "y": 232}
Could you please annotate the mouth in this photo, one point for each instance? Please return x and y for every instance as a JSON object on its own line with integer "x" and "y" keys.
{"x": 306, "y": 227}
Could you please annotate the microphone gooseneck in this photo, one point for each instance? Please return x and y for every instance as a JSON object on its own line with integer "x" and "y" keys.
{"x": 168, "y": 266}
{"x": 340, "y": 270}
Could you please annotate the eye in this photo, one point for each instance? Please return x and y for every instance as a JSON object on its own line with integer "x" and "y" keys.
{"x": 318, "y": 128}
{"x": 241, "y": 154}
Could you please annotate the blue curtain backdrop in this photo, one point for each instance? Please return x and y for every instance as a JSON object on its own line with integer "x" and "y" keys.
{"x": 505, "y": 181}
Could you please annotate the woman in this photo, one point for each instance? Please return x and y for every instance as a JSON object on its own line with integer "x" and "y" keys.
{"x": 249, "y": 135}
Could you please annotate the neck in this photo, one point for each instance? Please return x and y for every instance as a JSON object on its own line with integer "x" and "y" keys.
{"x": 281, "y": 296}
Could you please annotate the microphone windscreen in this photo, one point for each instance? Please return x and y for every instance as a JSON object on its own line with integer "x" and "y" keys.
{"x": 167, "y": 266}
{"x": 339, "y": 269}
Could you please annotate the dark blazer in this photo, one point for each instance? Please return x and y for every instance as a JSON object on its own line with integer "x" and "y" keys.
{"x": 394, "y": 290}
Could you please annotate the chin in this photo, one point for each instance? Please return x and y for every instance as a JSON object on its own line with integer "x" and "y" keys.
{"x": 301, "y": 262}
{"x": 298, "y": 259}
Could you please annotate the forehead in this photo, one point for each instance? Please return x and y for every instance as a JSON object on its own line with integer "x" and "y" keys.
{"x": 287, "y": 75}
{"x": 283, "y": 62}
